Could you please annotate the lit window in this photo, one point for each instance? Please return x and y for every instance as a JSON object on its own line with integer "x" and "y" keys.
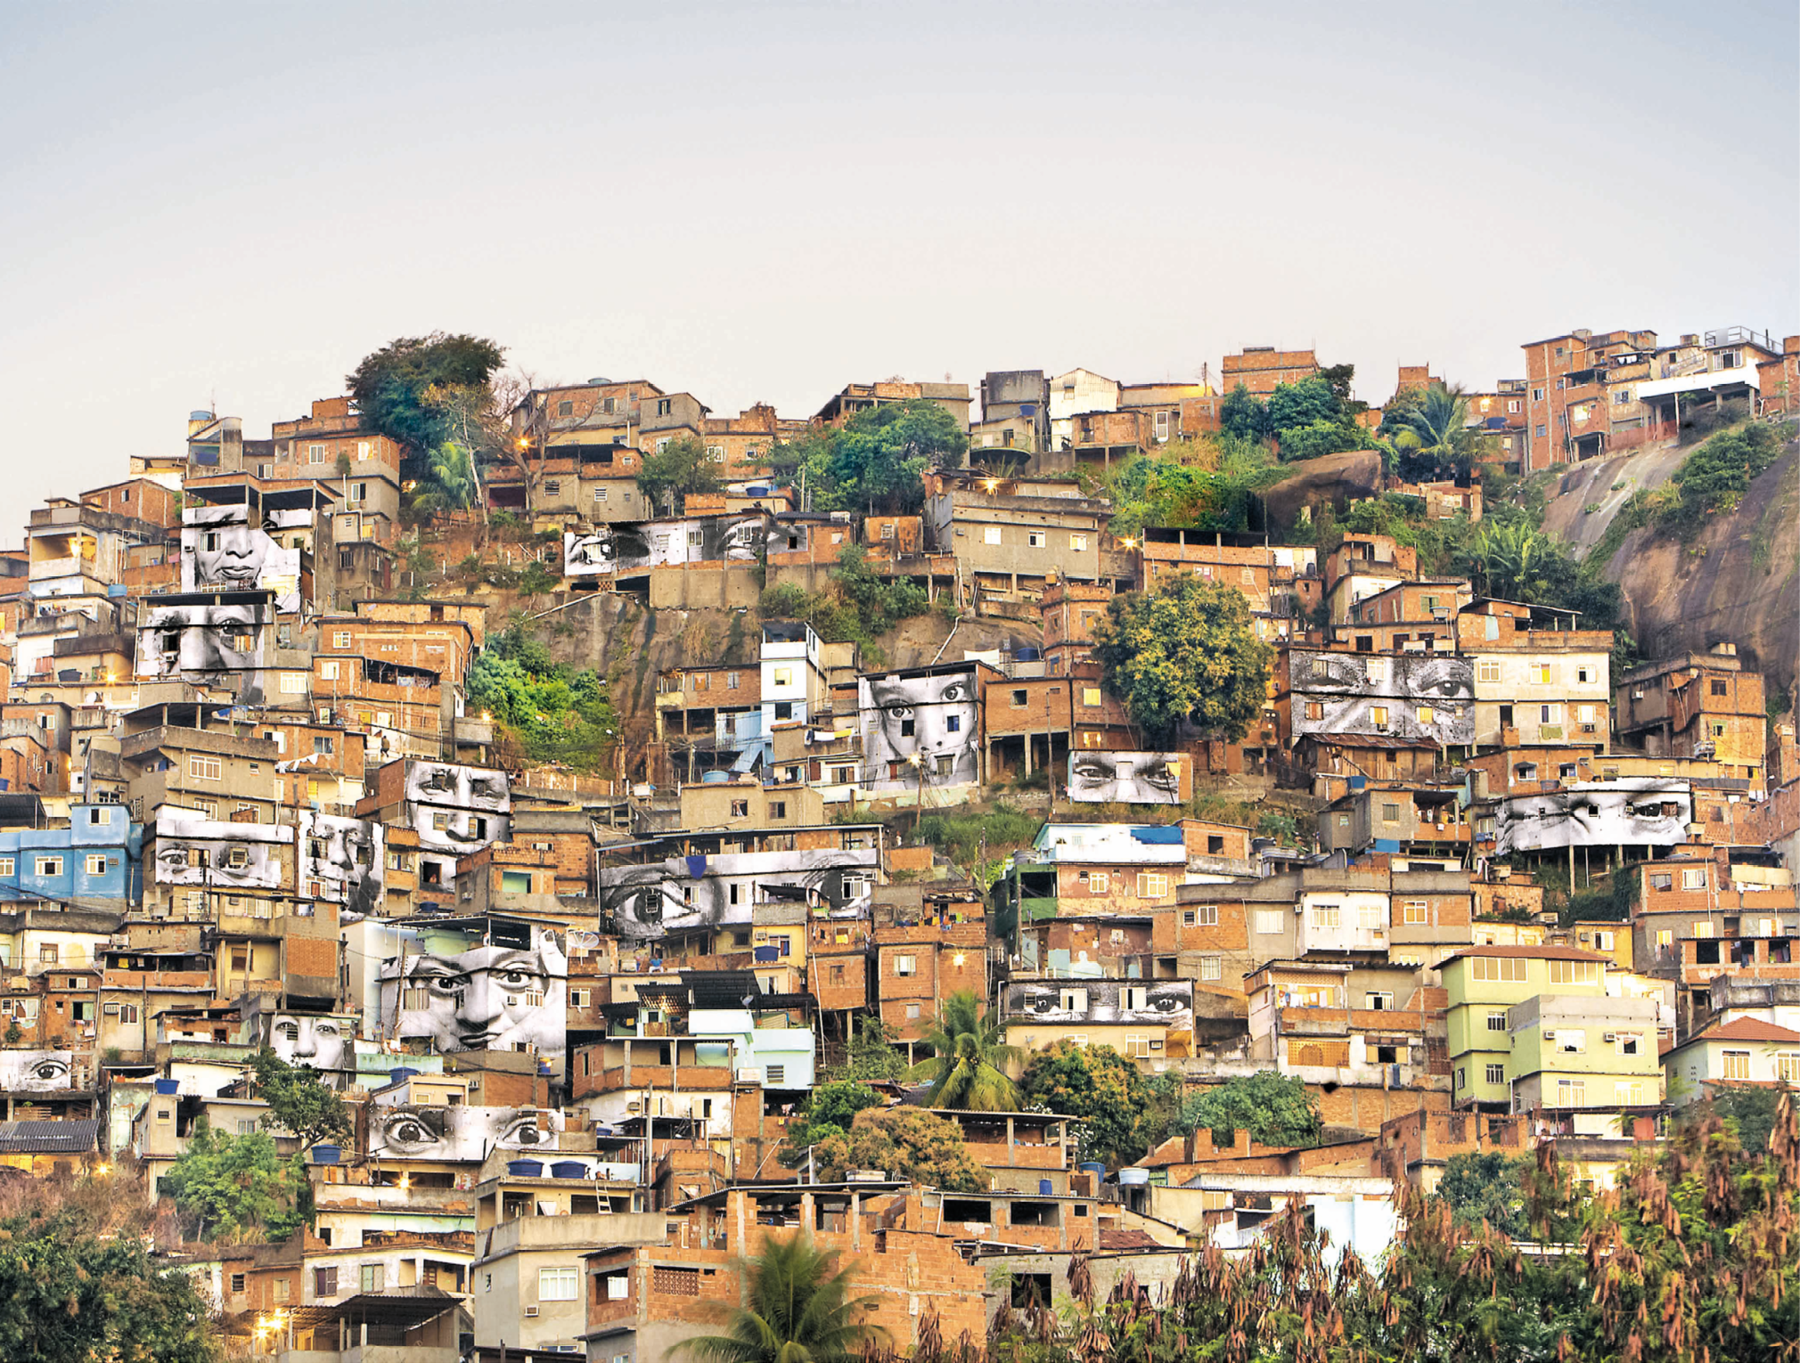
{"x": 1734, "y": 1064}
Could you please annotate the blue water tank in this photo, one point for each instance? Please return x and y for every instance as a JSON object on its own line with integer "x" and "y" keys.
{"x": 1046, "y": 1188}
{"x": 714, "y": 778}
{"x": 568, "y": 1168}
{"x": 326, "y": 1154}
{"x": 526, "y": 1168}
{"x": 1129, "y": 1178}
{"x": 1094, "y": 1167}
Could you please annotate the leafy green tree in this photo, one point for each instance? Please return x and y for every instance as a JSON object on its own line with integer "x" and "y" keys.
{"x": 875, "y": 462}
{"x": 405, "y": 388}
{"x": 798, "y": 1307}
{"x": 1243, "y": 417}
{"x": 1752, "y": 1112}
{"x": 238, "y": 1187}
{"x": 299, "y": 1103}
{"x": 78, "y": 1284}
{"x": 1485, "y": 1186}
{"x": 1303, "y": 403}
{"x": 1101, "y": 1086}
{"x": 1274, "y": 1110}
{"x": 830, "y": 1110}
{"x": 905, "y": 1143}
{"x": 556, "y": 713}
{"x": 1317, "y": 438}
{"x": 968, "y": 1066}
{"x": 1187, "y": 651}
{"x": 871, "y": 1054}
{"x": 681, "y": 469}
{"x": 880, "y": 603}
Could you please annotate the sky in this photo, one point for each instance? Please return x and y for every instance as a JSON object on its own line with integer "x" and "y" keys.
{"x": 223, "y": 206}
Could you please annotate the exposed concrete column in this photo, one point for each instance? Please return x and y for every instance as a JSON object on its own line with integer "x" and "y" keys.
{"x": 1011, "y": 1154}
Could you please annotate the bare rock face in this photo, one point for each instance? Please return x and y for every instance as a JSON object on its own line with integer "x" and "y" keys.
{"x": 1339, "y": 478}
{"x": 1739, "y": 581}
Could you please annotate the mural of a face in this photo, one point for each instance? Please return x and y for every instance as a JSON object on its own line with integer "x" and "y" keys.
{"x": 931, "y": 717}
{"x": 488, "y": 998}
{"x": 36, "y": 1071}
{"x": 209, "y": 855}
{"x": 210, "y": 645}
{"x": 1616, "y": 813}
{"x": 303, "y": 1039}
{"x": 1168, "y": 1003}
{"x": 229, "y": 556}
{"x": 1411, "y": 696}
{"x": 344, "y": 858}
{"x": 666, "y": 898}
{"x": 606, "y": 549}
{"x": 1138, "y": 778}
{"x": 445, "y": 783}
{"x": 742, "y": 541}
{"x": 460, "y": 1133}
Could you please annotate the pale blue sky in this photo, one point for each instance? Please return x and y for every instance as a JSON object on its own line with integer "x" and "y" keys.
{"x": 231, "y": 204}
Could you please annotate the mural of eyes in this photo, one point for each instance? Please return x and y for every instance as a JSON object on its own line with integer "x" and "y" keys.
{"x": 324, "y": 1028}
{"x": 1161, "y": 777}
{"x": 517, "y": 979}
{"x": 1442, "y": 681}
{"x": 487, "y": 788}
{"x": 1169, "y": 1002}
{"x": 519, "y": 1132}
{"x": 442, "y": 984}
{"x": 1042, "y": 1003}
{"x": 898, "y": 709}
{"x": 439, "y": 781}
{"x": 1092, "y": 773}
{"x": 288, "y": 1031}
{"x": 955, "y": 691}
{"x": 50, "y": 1069}
{"x": 171, "y": 857}
{"x": 408, "y": 1133}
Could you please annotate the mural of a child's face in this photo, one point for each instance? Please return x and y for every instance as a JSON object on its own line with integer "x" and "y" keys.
{"x": 931, "y": 717}
{"x": 488, "y": 998}
{"x": 299, "y": 1039}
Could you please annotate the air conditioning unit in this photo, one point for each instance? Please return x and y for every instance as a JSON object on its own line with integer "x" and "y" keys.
{"x": 531, "y": 1311}
{"x": 748, "y": 1074}
{"x": 1609, "y": 1037}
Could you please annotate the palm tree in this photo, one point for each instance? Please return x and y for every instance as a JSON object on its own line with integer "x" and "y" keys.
{"x": 967, "y": 1069}
{"x": 798, "y": 1309}
{"x": 1434, "y": 431}
{"x": 451, "y": 482}
{"x": 1510, "y": 557}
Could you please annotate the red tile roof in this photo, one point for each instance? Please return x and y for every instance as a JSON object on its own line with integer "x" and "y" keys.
{"x": 1748, "y": 1029}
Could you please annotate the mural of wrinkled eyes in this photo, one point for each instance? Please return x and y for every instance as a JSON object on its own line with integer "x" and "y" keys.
{"x": 1127, "y": 777}
{"x": 410, "y": 1132}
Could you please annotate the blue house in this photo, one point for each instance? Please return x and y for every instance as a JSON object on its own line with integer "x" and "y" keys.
{"x": 95, "y": 861}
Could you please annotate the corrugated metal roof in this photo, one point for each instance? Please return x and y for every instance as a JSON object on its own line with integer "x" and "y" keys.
{"x": 48, "y": 1138}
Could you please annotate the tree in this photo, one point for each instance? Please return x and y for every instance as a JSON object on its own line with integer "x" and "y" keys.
{"x": 677, "y": 471}
{"x": 798, "y": 1308}
{"x": 1302, "y": 403}
{"x": 1433, "y": 440}
{"x": 403, "y": 389}
{"x": 299, "y": 1103}
{"x": 1242, "y": 416}
{"x": 966, "y": 1068}
{"x": 557, "y": 714}
{"x": 1484, "y": 1185}
{"x": 904, "y": 1143}
{"x": 78, "y": 1283}
{"x": 871, "y": 1054}
{"x": 831, "y": 1108}
{"x": 1274, "y": 1110}
{"x": 238, "y": 1187}
{"x": 1187, "y": 651}
{"x": 1099, "y": 1085}
{"x": 1751, "y": 1111}
{"x": 450, "y": 482}
{"x": 877, "y": 460}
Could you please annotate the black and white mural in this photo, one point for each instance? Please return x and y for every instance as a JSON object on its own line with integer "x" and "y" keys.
{"x": 621, "y": 550}
{"x": 465, "y": 989}
{"x": 342, "y": 860}
{"x": 456, "y": 810}
{"x": 1158, "y": 1003}
{"x": 924, "y": 720}
{"x": 1405, "y": 695}
{"x": 1634, "y": 811}
{"x": 217, "y": 854}
{"x": 1132, "y": 778}
{"x": 321, "y": 1041}
{"x": 462, "y": 1133}
{"x": 222, "y": 550}
{"x": 691, "y": 894}
{"x": 216, "y": 643}
{"x": 36, "y": 1071}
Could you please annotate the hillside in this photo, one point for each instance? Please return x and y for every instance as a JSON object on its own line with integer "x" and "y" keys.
{"x": 1739, "y": 579}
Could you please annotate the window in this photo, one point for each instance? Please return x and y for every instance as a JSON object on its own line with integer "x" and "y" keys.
{"x": 374, "y": 1277}
{"x": 1498, "y": 969}
{"x": 1098, "y": 881}
{"x": 1628, "y": 1043}
{"x": 1326, "y": 916}
{"x": 1077, "y": 541}
{"x": 325, "y": 1282}
{"x": 1693, "y": 878}
{"x": 1734, "y": 1064}
{"x": 991, "y": 534}
{"x": 1390, "y": 813}
{"x": 204, "y": 768}
{"x": 559, "y": 1284}
{"x": 1574, "y": 972}
{"x": 1379, "y": 1002}
{"x": 328, "y": 669}
{"x": 1152, "y": 884}
{"x": 1571, "y": 1040}
{"x": 906, "y": 965}
{"x": 953, "y": 722}
{"x": 778, "y": 809}
{"x": 1268, "y": 921}
{"x": 1462, "y": 1080}
{"x": 1315, "y": 709}
{"x": 1378, "y": 716}
{"x": 6, "y": 866}
{"x": 1496, "y": 1020}
{"x": 1571, "y": 1093}
{"x": 1090, "y": 695}
{"x": 341, "y": 639}
{"x": 1787, "y": 1067}
{"x": 776, "y": 1074}
{"x": 740, "y": 809}
{"x": 49, "y": 866}
{"x": 96, "y": 864}
{"x": 1020, "y": 699}
{"x": 1206, "y": 915}
{"x": 1212, "y": 967}
{"x": 1542, "y": 430}
{"x": 1661, "y": 882}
